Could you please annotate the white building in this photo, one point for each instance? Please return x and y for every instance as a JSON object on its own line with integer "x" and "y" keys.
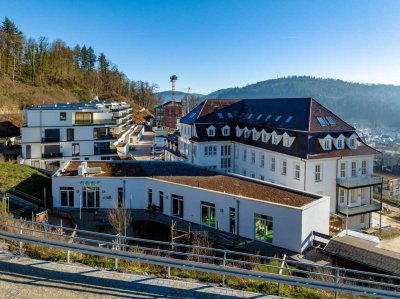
{"x": 294, "y": 142}
{"x": 250, "y": 208}
{"x": 54, "y": 134}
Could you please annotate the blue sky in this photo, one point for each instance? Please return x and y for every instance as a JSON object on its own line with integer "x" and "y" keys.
{"x": 214, "y": 44}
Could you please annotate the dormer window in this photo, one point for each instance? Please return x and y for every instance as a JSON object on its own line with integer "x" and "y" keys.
{"x": 226, "y": 131}
{"x": 246, "y": 133}
{"x": 352, "y": 142}
{"x": 265, "y": 136}
{"x": 255, "y": 134}
{"x": 340, "y": 144}
{"x": 328, "y": 145}
{"x": 275, "y": 139}
{"x": 239, "y": 131}
{"x": 211, "y": 131}
{"x": 286, "y": 141}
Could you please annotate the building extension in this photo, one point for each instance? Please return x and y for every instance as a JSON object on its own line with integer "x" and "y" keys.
{"x": 168, "y": 114}
{"x": 253, "y": 209}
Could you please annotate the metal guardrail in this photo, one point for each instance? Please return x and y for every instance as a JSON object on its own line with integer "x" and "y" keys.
{"x": 211, "y": 260}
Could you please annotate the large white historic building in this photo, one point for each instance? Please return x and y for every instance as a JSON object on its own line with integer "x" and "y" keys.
{"x": 293, "y": 142}
{"x": 276, "y": 215}
{"x": 54, "y": 134}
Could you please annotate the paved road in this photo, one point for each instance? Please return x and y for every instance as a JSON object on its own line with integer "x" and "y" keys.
{"x": 143, "y": 149}
{"x": 28, "y": 278}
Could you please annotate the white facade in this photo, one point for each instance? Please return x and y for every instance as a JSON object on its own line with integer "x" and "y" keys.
{"x": 319, "y": 175}
{"x": 290, "y": 227}
{"x": 52, "y": 135}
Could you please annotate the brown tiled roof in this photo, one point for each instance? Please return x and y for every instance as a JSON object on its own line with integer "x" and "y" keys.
{"x": 189, "y": 175}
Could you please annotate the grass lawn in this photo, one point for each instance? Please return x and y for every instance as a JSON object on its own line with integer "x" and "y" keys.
{"x": 24, "y": 178}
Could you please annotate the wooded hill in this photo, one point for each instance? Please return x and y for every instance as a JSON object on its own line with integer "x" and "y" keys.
{"x": 38, "y": 71}
{"x": 374, "y": 105}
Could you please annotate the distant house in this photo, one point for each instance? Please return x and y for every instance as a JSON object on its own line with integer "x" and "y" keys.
{"x": 295, "y": 142}
{"x": 167, "y": 114}
{"x": 275, "y": 215}
{"x": 391, "y": 185}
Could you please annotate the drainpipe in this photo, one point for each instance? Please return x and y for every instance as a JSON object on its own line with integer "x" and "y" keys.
{"x": 237, "y": 217}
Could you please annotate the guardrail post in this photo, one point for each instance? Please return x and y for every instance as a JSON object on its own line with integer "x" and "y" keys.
{"x": 20, "y": 242}
{"x": 68, "y": 257}
{"x": 223, "y": 276}
{"x": 116, "y": 248}
{"x": 337, "y": 281}
{"x": 169, "y": 271}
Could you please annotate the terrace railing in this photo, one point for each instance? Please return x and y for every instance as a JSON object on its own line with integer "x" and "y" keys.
{"x": 201, "y": 259}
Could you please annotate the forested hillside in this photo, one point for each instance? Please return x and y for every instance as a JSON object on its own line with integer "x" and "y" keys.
{"x": 369, "y": 104}
{"x": 34, "y": 71}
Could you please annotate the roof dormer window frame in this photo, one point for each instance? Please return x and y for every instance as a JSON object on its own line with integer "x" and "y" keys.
{"x": 246, "y": 133}
{"x": 339, "y": 142}
{"x": 226, "y": 130}
{"x": 276, "y": 138}
{"x": 255, "y": 134}
{"x": 239, "y": 131}
{"x": 326, "y": 142}
{"x": 351, "y": 141}
{"x": 211, "y": 131}
{"x": 265, "y": 136}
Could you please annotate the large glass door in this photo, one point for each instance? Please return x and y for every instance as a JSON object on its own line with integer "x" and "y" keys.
{"x": 263, "y": 228}
{"x": 91, "y": 197}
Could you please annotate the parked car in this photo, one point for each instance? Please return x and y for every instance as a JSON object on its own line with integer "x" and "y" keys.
{"x": 157, "y": 150}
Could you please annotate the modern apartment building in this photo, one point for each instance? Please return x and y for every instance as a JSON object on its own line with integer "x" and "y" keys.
{"x": 54, "y": 134}
{"x": 294, "y": 142}
{"x": 275, "y": 215}
{"x": 168, "y": 114}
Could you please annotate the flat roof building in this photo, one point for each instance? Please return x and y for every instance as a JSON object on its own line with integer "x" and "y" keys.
{"x": 250, "y": 208}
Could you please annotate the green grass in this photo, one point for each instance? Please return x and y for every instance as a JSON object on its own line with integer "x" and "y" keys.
{"x": 24, "y": 178}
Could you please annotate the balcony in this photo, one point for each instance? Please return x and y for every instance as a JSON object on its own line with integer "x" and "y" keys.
{"x": 354, "y": 211}
{"x": 358, "y": 182}
{"x": 106, "y": 151}
{"x": 51, "y": 155}
{"x": 106, "y": 137}
{"x": 50, "y": 139}
{"x": 97, "y": 122}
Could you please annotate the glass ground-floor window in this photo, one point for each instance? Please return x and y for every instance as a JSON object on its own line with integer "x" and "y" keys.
{"x": 208, "y": 214}
{"x": 90, "y": 197}
{"x": 263, "y": 228}
{"x": 67, "y": 196}
{"x": 177, "y": 205}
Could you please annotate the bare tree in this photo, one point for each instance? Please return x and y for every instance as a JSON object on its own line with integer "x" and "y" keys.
{"x": 119, "y": 219}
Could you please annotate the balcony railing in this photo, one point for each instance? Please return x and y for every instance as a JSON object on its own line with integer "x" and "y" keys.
{"x": 106, "y": 136}
{"x": 106, "y": 151}
{"x": 51, "y": 155}
{"x": 353, "y": 211}
{"x": 358, "y": 182}
{"x": 50, "y": 139}
{"x": 97, "y": 122}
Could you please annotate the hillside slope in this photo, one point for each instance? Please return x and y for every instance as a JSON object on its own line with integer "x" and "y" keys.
{"x": 370, "y": 104}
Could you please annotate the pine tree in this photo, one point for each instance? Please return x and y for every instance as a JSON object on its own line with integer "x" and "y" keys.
{"x": 84, "y": 58}
{"x": 91, "y": 59}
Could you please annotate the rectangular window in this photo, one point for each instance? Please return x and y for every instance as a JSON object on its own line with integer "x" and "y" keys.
{"x": 67, "y": 196}
{"x": 225, "y": 163}
{"x": 208, "y": 214}
{"x": 297, "y": 171}
{"x": 35, "y": 163}
{"x": 341, "y": 196}
{"x": 340, "y": 144}
{"x": 262, "y": 178}
{"x": 253, "y": 157}
{"x": 263, "y": 228}
{"x": 364, "y": 167}
{"x": 225, "y": 150}
{"x": 83, "y": 118}
{"x": 210, "y": 150}
{"x": 121, "y": 203}
{"x": 262, "y": 160}
{"x": 353, "y": 196}
{"x": 362, "y": 218}
{"x": 28, "y": 152}
{"x": 63, "y": 115}
{"x": 284, "y": 167}
{"x": 252, "y": 174}
{"x": 149, "y": 197}
{"x": 318, "y": 173}
{"x": 354, "y": 168}
{"x": 232, "y": 220}
{"x": 236, "y": 152}
{"x": 75, "y": 149}
{"x": 244, "y": 172}
{"x": 272, "y": 164}
{"x": 343, "y": 169}
{"x": 91, "y": 197}
{"x": 70, "y": 134}
{"x": 177, "y": 205}
{"x": 161, "y": 201}
{"x": 244, "y": 154}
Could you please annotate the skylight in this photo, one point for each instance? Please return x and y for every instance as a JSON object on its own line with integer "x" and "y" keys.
{"x": 259, "y": 116}
{"x": 250, "y": 116}
{"x": 289, "y": 119}
{"x": 229, "y": 115}
{"x": 192, "y": 115}
{"x": 321, "y": 121}
{"x": 268, "y": 117}
{"x": 278, "y": 118}
{"x": 220, "y": 115}
{"x": 330, "y": 120}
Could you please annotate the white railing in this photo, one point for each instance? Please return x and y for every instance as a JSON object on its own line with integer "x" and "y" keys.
{"x": 210, "y": 260}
